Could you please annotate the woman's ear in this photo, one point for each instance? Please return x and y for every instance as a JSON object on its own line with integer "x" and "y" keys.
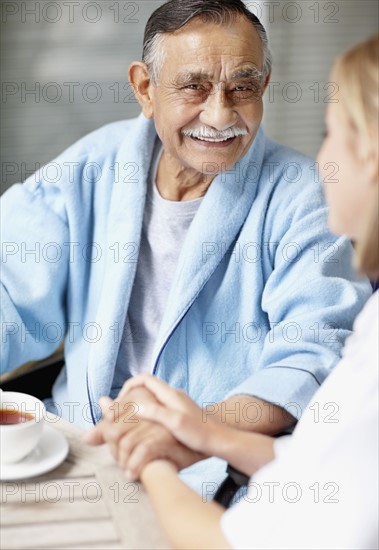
{"x": 141, "y": 83}
{"x": 371, "y": 159}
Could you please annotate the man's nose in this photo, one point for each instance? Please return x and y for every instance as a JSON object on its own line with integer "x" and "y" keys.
{"x": 218, "y": 111}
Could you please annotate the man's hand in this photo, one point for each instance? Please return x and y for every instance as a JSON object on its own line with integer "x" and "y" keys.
{"x": 134, "y": 442}
{"x": 119, "y": 416}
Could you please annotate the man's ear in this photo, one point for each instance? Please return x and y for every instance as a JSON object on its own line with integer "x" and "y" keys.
{"x": 266, "y": 82}
{"x": 141, "y": 83}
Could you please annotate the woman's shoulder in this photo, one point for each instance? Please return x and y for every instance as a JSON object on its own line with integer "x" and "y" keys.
{"x": 362, "y": 346}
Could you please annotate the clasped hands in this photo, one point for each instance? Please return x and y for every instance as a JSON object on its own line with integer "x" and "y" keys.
{"x": 150, "y": 421}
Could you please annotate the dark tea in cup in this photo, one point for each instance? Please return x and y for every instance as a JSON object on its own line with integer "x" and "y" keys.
{"x": 8, "y": 416}
{"x": 21, "y": 425}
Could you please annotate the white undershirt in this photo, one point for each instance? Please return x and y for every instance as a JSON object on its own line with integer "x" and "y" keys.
{"x": 165, "y": 226}
{"x": 321, "y": 491}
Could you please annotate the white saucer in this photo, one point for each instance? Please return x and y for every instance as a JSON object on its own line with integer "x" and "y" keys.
{"x": 49, "y": 453}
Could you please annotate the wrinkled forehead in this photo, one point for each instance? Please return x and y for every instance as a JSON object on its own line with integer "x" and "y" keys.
{"x": 213, "y": 50}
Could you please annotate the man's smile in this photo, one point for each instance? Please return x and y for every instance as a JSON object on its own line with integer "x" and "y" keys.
{"x": 213, "y": 142}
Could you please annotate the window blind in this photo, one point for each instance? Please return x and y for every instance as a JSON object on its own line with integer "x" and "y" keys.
{"x": 64, "y": 70}
{"x": 305, "y": 38}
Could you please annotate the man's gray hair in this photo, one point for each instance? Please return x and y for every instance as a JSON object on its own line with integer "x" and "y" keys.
{"x": 174, "y": 14}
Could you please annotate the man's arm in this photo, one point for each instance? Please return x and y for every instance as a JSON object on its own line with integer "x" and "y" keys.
{"x": 34, "y": 270}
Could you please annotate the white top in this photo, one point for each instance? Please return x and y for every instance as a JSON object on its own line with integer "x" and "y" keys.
{"x": 321, "y": 491}
{"x": 165, "y": 227}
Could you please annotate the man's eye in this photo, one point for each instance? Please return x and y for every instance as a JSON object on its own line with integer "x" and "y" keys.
{"x": 247, "y": 91}
{"x": 192, "y": 87}
{"x": 251, "y": 88}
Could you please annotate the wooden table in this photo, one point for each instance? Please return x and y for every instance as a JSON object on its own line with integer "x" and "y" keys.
{"x": 84, "y": 503}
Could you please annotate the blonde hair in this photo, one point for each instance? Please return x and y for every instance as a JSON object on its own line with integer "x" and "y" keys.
{"x": 357, "y": 73}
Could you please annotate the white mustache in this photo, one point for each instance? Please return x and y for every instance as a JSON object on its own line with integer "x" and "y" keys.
{"x": 210, "y": 133}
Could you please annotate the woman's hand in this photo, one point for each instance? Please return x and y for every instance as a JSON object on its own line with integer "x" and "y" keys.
{"x": 174, "y": 410}
{"x": 135, "y": 441}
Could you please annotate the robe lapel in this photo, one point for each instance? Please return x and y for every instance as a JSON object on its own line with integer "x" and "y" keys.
{"x": 214, "y": 228}
{"x": 123, "y": 235}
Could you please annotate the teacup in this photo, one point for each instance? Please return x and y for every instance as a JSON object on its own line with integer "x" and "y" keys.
{"x": 21, "y": 423}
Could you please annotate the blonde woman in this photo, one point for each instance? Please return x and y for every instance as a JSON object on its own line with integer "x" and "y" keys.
{"x": 317, "y": 488}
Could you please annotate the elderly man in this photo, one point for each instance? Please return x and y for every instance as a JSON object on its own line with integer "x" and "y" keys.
{"x": 182, "y": 243}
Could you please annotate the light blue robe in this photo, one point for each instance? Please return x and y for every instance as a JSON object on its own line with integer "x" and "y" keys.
{"x": 262, "y": 300}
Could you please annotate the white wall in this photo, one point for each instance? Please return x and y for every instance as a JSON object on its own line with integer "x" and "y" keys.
{"x": 75, "y": 58}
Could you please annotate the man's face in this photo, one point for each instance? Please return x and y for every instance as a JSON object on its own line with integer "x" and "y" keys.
{"x": 210, "y": 87}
